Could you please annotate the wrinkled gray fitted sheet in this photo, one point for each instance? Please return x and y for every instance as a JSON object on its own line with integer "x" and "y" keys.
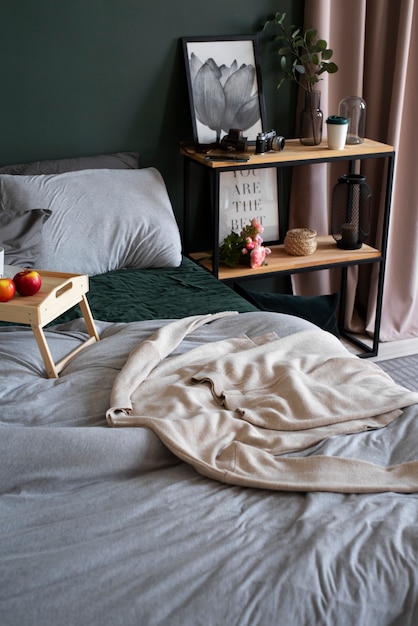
{"x": 104, "y": 526}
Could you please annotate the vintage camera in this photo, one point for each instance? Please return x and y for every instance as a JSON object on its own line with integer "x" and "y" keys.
{"x": 269, "y": 141}
{"x": 234, "y": 140}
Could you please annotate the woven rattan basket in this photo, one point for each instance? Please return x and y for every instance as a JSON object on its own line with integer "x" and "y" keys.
{"x": 300, "y": 241}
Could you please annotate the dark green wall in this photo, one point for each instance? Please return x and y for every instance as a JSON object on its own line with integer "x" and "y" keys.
{"x": 82, "y": 77}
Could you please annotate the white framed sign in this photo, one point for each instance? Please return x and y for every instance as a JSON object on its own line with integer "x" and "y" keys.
{"x": 248, "y": 193}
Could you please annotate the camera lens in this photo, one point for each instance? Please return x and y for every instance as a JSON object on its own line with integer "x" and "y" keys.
{"x": 278, "y": 143}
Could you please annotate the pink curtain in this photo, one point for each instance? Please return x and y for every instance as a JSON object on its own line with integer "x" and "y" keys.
{"x": 376, "y": 52}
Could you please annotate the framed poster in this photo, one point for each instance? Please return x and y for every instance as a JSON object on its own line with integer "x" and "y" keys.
{"x": 248, "y": 193}
{"x": 224, "y": 84}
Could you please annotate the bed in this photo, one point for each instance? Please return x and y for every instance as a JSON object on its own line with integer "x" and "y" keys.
{"x": 150, "y": 483}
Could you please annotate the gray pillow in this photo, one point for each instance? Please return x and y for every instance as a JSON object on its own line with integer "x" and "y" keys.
{"x": 101, "y": 220}
{"x": 113, "y": 161}
{"x": 21, "y": 235}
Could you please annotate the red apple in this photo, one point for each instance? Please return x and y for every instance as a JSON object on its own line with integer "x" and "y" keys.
{"x": 7, "y": 289}
{"x": 27, "y": 282}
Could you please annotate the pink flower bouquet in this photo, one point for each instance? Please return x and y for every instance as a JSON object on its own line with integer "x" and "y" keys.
{"x": 246, "y": 247}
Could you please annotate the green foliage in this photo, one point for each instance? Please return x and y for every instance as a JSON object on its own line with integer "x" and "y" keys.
{"x": 240, "y": 248}
{"x": 230, "y": 252}
{"x": 303, "y": 56}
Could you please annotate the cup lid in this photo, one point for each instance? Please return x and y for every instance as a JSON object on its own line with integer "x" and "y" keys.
{"x": 337, "y": 119}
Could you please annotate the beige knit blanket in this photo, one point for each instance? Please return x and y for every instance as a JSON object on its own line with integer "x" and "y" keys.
{"x": 235, "y": 408}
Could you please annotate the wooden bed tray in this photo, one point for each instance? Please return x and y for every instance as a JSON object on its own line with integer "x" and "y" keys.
{"x": 59, "y": 293}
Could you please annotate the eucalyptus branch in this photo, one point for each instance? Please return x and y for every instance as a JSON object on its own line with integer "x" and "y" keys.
{"x": 303, "y": 55}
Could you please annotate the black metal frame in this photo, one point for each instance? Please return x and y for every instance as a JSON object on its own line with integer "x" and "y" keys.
{"x": 214, "y": 177}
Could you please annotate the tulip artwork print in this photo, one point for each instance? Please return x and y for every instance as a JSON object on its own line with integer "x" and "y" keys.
{"x": 222, "y": 95}
{"x": 223, "y": 87}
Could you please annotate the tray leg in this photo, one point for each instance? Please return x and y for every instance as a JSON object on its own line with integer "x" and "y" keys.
{"x": 88, "y": 318}
{"x": 51, "y": 370}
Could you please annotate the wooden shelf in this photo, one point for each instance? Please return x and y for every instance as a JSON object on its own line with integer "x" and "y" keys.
{"x": 294, "y": 151}
{"x": 326, "y": 255}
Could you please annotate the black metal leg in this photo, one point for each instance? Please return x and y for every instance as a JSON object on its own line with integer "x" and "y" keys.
{"x": 186, "y": 207}
{"x": 214, "y": 191}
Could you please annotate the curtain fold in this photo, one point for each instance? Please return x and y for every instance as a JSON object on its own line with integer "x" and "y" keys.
{"x": 375, "y": 50}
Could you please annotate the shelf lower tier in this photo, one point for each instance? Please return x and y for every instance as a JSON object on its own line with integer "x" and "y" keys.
{"x": 326, "y": 255}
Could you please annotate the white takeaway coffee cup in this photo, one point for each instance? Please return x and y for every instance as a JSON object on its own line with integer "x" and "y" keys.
{"x": 337, "y": 127}
{"x": 1, "y": 262}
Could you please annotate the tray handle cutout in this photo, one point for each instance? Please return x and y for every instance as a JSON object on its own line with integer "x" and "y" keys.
{"x": 64, "y": 289}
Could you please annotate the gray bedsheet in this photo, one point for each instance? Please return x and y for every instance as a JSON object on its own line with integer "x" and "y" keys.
{"x": 105, "y": 526}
